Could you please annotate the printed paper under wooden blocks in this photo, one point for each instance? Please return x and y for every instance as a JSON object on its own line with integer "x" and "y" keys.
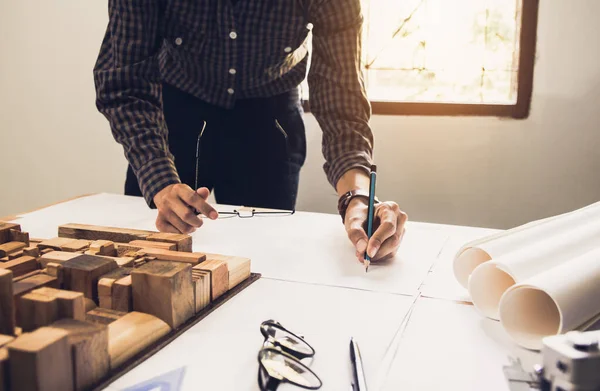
{"x": 41, "y": 361}
{"x": 89, "y": 347}
{"x": 81, "y": 274}
{"x": 165, "y": 290}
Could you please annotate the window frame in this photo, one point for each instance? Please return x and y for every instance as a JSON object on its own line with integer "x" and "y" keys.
{"x": 519, "y": 110}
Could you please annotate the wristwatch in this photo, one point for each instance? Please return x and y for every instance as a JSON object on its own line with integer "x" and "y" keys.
{"x": 345, "y": 199}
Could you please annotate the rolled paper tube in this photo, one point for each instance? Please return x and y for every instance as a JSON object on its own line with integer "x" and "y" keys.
{"x": 564, "y": 298}
{"x": 473, "y": 254}
{"x": 490, "y": 280}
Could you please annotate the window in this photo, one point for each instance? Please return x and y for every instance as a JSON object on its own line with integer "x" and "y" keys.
{"x": 449, "y": 57}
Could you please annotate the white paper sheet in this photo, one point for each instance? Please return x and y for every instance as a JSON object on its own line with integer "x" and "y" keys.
{"x": 99, "y": 209}
{"x": 314, "y": 248}
{"x": 491, "y": 279}
{"x": 561, "y": 299}
{"x": 449, "y": 346}
{"x": 475, "y": 253}
{"x": 220, "y": 353}
{"x": 440, "y": 282}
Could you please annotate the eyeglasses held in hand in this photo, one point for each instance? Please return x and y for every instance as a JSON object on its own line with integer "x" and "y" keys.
{"x": 279, "y": 359}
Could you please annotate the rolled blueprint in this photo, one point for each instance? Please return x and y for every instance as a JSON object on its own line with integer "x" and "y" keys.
{"x": 490, "y": 280}
{"x": 489, "y": 248}
{"x": 564, "y": 298}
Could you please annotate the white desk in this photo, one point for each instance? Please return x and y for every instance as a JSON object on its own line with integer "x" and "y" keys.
{"x": 313, "y": 285}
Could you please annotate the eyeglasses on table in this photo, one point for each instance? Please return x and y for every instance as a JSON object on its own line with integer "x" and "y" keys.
{"x": 279, "y": 359}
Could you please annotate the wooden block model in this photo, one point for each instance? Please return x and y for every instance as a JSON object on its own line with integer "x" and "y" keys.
{"x": 219, "y": 277}
{"x": 56, "y": 257}
{"x": 10, "y": 247}
{"x": 154, "y": 244}
{"x": 131, "y": 334}
{"x": 75, "y": 307}
{"x": 5, "y": 228}
{"x": 54, "y": 243}
{"x": 81, "y": 274}
{"x": 201, "y": 280}
{"x": 40, "y": 361}
{"x": 35, "y": 310}
{"x": 16, "y": 235}
{"x": 4, "y": 370}
{"x": 89, "y": 348}
{"x": 105, "y": 286}
{"x": 7, "y": 307}
{"x": 175, "y": 256}
{"x": 165, "y": 290}
{"x": 20, "y": 266}
{"x": 103, "y": 247}
{"x": 103, "y": 315}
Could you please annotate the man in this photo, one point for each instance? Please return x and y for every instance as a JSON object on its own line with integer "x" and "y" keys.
{"x": 203, "y": 95}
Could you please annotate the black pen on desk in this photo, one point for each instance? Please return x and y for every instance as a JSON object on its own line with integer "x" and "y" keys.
{"x": 359, "y": 383}
{"x": 371, "y": 212}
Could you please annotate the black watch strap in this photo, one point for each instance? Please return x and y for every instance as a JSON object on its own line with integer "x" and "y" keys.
{"x": 345, "y": 199}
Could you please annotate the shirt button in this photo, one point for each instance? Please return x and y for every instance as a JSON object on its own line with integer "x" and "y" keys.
{"x": 233, "y": 35}
{"x": 309, "y": 26}
{"x": 230, "y": 91}
{"x": 178, "y": 41}
{"x": 232, "y": 71}
{"x": 287, "y": 49}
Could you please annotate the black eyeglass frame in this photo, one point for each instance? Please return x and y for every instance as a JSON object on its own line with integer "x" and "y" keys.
{"x": 265, "y": 381}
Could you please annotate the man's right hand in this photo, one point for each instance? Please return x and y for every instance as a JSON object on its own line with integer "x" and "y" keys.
{"x": 177, "y": 205}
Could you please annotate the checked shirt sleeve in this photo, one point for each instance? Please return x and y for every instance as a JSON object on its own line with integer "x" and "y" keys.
{"x": 128, "y": 92}
{"x": 337, "y": 92}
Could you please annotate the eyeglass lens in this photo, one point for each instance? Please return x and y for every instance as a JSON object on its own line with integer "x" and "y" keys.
{"x": 282, "y": 367}
{"x": 288, "y": 340}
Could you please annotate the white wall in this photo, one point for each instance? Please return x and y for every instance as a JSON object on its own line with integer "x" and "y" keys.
{"x": 475, "y": 171}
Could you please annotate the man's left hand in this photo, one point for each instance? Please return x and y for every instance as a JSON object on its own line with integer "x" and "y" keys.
{"x": 388, "y": 229}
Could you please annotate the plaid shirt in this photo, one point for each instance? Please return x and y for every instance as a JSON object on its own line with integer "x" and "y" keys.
{"x": 221, "y": 52}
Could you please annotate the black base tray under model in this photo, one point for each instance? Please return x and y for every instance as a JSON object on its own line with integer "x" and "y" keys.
{"x": 142, "y": 356}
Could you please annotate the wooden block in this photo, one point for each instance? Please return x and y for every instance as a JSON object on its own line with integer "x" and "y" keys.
{"x": 54, "y": 243}
{"x": 96, "y": 232}
{"x": 4, "y": 370}
{"x": 103, "y": 315}
{"x": 201, "y": 280}
{"x": 123, "y": 249}
{"x": 139, "y": 262}
{"x": 89, "y": 347}
{"x": 105, "y": 286}
{"x": 4, "y": 339}
{"x": 7, "y": 306}
{"x": 46, "y": 250}
{"x": 183, "y": 241}
{"x": 27, "y": 275}
{"x": 5, "y": 229}
{"x": 122, "y": 295}
{"x": 10, "y": 247}
{"x": 20, "y": 266}
{"x": 56, "y": 257}
{"x": 56, "y": 270}
{"x": 219, "y": 277}
{"x": 16, "y": 235}
{"x": 81, "y": 274}
{"x": 35, "y": 310}
{"x": 131, "y": 334}
{"x": 15, "y": 255}
{"x": 41, "y": 361}
{"x": 70, "y": 304}
{"x": 104, "y": 247}
{"x": 35, "y": 241}
{"x": 175, "y": 256}
{"x": 4, "y": 259}
{"x": 26, "y": 285}
{"x": 165, "y": 290}
{"x": 76, "y": 245}
{"x": 89, "y": 304}
{"x": 32, "y": 251}
{"x": 151, "y": 244}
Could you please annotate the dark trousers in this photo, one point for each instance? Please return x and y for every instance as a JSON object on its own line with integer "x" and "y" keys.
{"x": 250, "y": 155}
